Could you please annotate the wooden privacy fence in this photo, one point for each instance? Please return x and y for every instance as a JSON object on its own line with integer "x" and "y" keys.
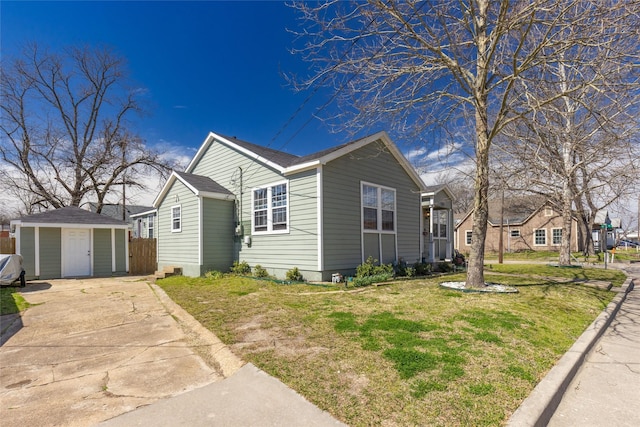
{"x": 7, "y": 245}
{"x": 142, "y": 256}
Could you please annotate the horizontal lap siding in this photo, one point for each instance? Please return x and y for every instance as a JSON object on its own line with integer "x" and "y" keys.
{"x": 341, "y": 205}
{"x": 218, "y": 236}
{"x": 180, "y": 249}
{"x": 298, "y": 248}
{"x": 50, "y": 253}
{"x": 102, "y": 252}
{"x": 28, "y": 251}
{"x": 121, "y": 251}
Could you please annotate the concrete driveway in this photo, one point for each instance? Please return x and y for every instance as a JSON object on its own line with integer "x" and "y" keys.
{"x": 91, "y": 349}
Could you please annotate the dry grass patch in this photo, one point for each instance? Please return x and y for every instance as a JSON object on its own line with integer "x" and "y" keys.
{"x": 410, "y": 353}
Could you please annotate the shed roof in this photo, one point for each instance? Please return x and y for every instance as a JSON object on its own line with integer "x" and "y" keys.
{"x": 203, "y": 183}
{"x": 70, "y": 215}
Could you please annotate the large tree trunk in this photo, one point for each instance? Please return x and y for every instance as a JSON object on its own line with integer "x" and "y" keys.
{"x": 565, "y": 245}
{"x": 475, "y": 272}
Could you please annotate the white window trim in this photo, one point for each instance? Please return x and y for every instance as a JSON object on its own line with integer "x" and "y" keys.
{"x": 561, "y": 236}
{"x": 468, "y": 233}
{"x": 269, "y": 229}
{"x": 151, "y": 226}
{"x": 175, "y": 230}
{"x": 548, "y": 211}
{"x": 379, "y": 209}
{"x": 545, "y": 237}
{"x": 515, "y": 230}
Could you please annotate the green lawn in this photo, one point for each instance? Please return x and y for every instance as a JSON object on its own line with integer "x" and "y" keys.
{"x": 11, "y": 301}
{"x": 408, "y": 353}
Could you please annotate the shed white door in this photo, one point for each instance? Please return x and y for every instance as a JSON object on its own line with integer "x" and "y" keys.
{"x": 76, "y": 252}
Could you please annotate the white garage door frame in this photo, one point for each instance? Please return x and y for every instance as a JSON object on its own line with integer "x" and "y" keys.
{"x": 76, "y": 254}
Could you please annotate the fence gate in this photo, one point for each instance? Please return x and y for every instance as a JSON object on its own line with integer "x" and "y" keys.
{"x": 142, "y": 256}
{"x": 7, "y": 245}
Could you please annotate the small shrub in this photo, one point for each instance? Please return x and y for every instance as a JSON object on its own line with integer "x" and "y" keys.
{"x": 445, "y": 267}
{"x": 258, "y": 271}
{"x": 294, "y": 275}
{"x": 370, "y": 268}
{"x": 402, "y": 270}
{"x": 369, "y": 280}
{"x": 422, "y": 268}
{"x": 241, "y": 268}
{"x": 214, "y": 274}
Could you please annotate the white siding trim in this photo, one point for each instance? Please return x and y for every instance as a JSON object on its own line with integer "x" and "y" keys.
{"x": 36, "y": 248}
{"x": 320, "y": 219}
{"x": 113, "y": 250}
{"x": 91, "y": 252}
{"x": 200, "y": 231}
{"x": 126, "y": 251}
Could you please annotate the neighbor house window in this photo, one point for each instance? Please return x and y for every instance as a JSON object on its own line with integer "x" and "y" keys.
{"x": 515, "y": 233}
{"x": 467, "y": 237}
{"x": 378, "y": 208}
{"x": 556, "y": 236}
{"x": 176, "y": 218}
{"x": 271, "y": 208}
{"x": 150, "y": 226}
{"x": 540, "y": 237}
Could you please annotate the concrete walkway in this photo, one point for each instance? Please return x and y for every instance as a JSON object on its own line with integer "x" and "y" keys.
{"x": 606, "y": 390}
{"x": 90, "y": 350}
{"x": 597, "y": 382}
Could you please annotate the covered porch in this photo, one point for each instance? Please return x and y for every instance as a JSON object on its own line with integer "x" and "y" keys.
{"x": 437, "y": 224}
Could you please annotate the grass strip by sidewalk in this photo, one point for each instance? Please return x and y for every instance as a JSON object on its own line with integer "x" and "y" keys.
{"x": 410, "y": 353}
{"x": 11, "y": 301}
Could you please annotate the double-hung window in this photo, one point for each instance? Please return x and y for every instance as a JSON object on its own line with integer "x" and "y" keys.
{"x": 176, "y": 218}
{"x": 378, "y": 208}
{"x": 150, "y": 227}
{"x": 540, "y": 237}
{"x": 556, "y": 236}
{"x": 271, "y": 208}
{"x": 467, "y": 238}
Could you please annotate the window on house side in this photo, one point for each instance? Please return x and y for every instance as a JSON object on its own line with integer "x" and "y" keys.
{"x": 515, "y": 233}
{"x": 150, "y": 226}
{"x": 378, "y": 208}
{"x": 556, "y": 236}
{"x": 540, "y": 237}
{"x": 270, "y": 208}
{"x": 468, "y": 237}
{"x": 176, "y": 218}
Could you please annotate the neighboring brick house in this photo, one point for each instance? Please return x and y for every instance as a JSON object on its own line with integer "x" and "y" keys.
{"x": 526, "y": 226}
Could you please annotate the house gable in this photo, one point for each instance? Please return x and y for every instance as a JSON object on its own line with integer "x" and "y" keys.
{"x": 311, "y": 189}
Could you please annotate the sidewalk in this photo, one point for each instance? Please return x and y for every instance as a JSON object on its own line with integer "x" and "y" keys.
{"x": 606, "y": 390}
{"x": 596, "y": 382}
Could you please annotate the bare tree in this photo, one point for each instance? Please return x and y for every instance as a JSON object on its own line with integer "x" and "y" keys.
{"x": 65, "y": 137}
{"x": 421, "y": 65}
{"x": 585, "y": 145}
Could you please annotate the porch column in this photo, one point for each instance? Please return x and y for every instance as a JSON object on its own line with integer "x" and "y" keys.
{"x": 449, "y": 233}
{"x": 432, "y": 245}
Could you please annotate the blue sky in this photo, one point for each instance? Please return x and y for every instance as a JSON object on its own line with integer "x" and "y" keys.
{"x": 206, "y": 65}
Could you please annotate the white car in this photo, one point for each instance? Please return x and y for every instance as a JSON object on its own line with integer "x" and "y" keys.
{"x": 11, "y": 270}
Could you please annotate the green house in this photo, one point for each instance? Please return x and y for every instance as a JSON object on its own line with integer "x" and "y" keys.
{"x": 71, "y": 242}
{"x": 323, "y": 213}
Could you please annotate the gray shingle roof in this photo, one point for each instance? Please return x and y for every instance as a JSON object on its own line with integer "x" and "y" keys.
{"x": 115, "y": 210}
{"x": 203, "y": 183}
{"x": 280, "y": 157}
{"x": 70, "y": 215}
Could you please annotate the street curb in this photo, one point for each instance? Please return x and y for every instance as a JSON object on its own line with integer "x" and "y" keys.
{"x": 539, "y": 407}
{"x": 228, "y": 362}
